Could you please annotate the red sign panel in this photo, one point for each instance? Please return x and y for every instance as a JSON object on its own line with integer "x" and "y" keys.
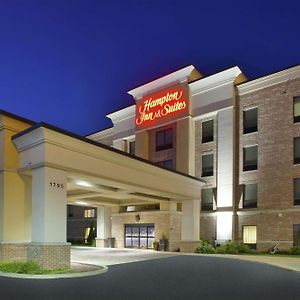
{"x": 162, "y": 107}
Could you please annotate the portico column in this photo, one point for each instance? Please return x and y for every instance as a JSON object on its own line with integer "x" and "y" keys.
{"x": 190, "y": 225}
{"x": 49, "y": 204}
{"x": 103, "y": 225}
{"x": 190, "y": 220}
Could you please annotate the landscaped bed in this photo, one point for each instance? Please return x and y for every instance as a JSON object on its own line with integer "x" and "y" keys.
{"x": 32, "y": 268}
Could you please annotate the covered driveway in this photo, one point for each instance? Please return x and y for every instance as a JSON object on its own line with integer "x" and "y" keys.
{"x": 63, "y": 168}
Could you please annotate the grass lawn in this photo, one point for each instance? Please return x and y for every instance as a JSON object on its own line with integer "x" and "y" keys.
{"x": 28, "y": 267}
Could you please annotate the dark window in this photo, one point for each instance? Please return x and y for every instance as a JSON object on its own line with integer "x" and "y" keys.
{"x": 250, "y": 120}
{"x": 207, "y": 165}
{"x": 139, "y": 236}
{"x": 132, "y": 147}
{"x": 250, "y": 158}
{"x": 296, "y": 234}
{"x": 297, "y": 150}
{"x": 207, "y": 199}
{"x": 164, "y": 139}
{"x": 250, "y": 196}
{"x": 207, "y": 131}
{"x": 297, "y": 191}
{"x": 70, "y": 211}
{"x": 296, "y": 109}
{"x": 166, "y": 163}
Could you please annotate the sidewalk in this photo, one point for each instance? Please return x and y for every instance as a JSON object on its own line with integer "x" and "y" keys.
{"x": 290, "y": 263}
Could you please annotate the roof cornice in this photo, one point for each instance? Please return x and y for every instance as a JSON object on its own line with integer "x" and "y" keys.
{"x": 215, "y": 80}
{"x": 269, "y": 80}
{"x": 122, "y": 114}
{"x": 186, "y": 74}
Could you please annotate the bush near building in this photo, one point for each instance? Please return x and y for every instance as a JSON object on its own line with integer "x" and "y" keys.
{"x": 205, "y": 247}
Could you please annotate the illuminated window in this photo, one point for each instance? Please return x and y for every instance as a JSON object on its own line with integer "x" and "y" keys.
{"x": 207, "y": 165}
{"x": 250, "y": 120}
{"x": 250, "y": 196}
{"x": 207, "y": 131}
{"x": 249, "y": 234}
{"x": 297, "y": 191}
{"x": 297, "y": 150}
{"x": 164, "y": 139}
{"x": 296, "y": 109}
{"x": 296, "y": 234}
{"x": 207, "y": 199}
{"x": 166, "y": 163}
{"x": 131, "y": 147}
{"x": 250, "y": 158}
{"x": 89, "y": 213}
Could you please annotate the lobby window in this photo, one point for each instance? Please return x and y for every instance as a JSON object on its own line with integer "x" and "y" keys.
{"x": 250, "y": 158}
{"x": 89, "y": 213}
{"x": 207, "y": 131}
{"x": 250, "y": 196}
{"x": 297, "y": 191}
{"x": 207, "y": 199}
{"x": 166, "y": 163}
{"x": 296, "y": 109}
{"x": 207, "y": 165}
{"x": 296, "y": 234}
{"x": 164, "y": 139}
{"x": 131, "y": 147}
{"x": 249, "y": 234}
{"x": 250, "y": 120}
{"x": 297, "y": 150}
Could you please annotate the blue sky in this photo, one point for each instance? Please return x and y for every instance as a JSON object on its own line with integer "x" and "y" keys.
{"x": 71, "y": 62}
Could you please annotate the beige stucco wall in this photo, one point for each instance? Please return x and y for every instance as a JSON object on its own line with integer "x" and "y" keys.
{"x": 15, "y": 190}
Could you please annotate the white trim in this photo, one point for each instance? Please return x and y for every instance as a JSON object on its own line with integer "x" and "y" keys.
{"x": 269, "y": 80}
{"x": 101, "y": 134}
{"x": 177, "y": 76}
{"x": 215, "y": 80}
{"x": 122, "y": 114}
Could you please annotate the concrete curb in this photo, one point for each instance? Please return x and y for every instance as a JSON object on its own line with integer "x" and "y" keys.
{"x": 244, "y": 258}
{"x": 56, "y": 276}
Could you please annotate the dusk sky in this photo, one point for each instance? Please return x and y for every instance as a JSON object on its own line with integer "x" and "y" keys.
{"x": 71, "y": 62}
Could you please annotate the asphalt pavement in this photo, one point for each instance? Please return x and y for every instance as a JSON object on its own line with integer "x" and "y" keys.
{"x": 178, "y": 277}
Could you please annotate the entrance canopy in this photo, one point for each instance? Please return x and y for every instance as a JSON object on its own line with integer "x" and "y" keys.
{"x": 98, "y": 174}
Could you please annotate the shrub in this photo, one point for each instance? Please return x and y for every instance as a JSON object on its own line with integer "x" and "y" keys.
{"x": 295, "y": 250}
{"x": 92, "y": 235}
{"x": 27, "y": 267}
{"x": 233, "y": 248}
{"x": 205, "y": 247}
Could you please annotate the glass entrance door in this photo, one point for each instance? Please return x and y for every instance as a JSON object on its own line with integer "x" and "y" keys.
{"x": 139, "y": 236}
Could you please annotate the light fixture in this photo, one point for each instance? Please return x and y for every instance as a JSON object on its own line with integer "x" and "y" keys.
{"x": 83, "y": 183}
{"x": 137, "y": 218}
{"x": 81, "y": 203}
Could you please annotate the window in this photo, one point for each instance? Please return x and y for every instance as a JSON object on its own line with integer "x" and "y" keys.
{"x": 131, "y": 147}
{"x": 207, "y": 199}
{"x": 139, "y": 236}
{"x": 70, "y": 211}
{"x": 164, "y": 139}
{"x": 166, "y": 163}
{"x": 297, "y": 191}
{"x": 89, "y": 213}
{"x": 207, "y": 165}
{"x": 297, "y": 150}
{"x": 249, "y": 234}
{"x": 296, "y": 234}
{"x": 296, "y": 109}
{"x": 207, "y": 131}
{"x": 250, "y": 158}
{"x": 250, "y": 120}
{"x": 250, "y": 196}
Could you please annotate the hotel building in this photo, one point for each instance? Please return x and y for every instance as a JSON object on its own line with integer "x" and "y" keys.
{"x": 211, "y": 157}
